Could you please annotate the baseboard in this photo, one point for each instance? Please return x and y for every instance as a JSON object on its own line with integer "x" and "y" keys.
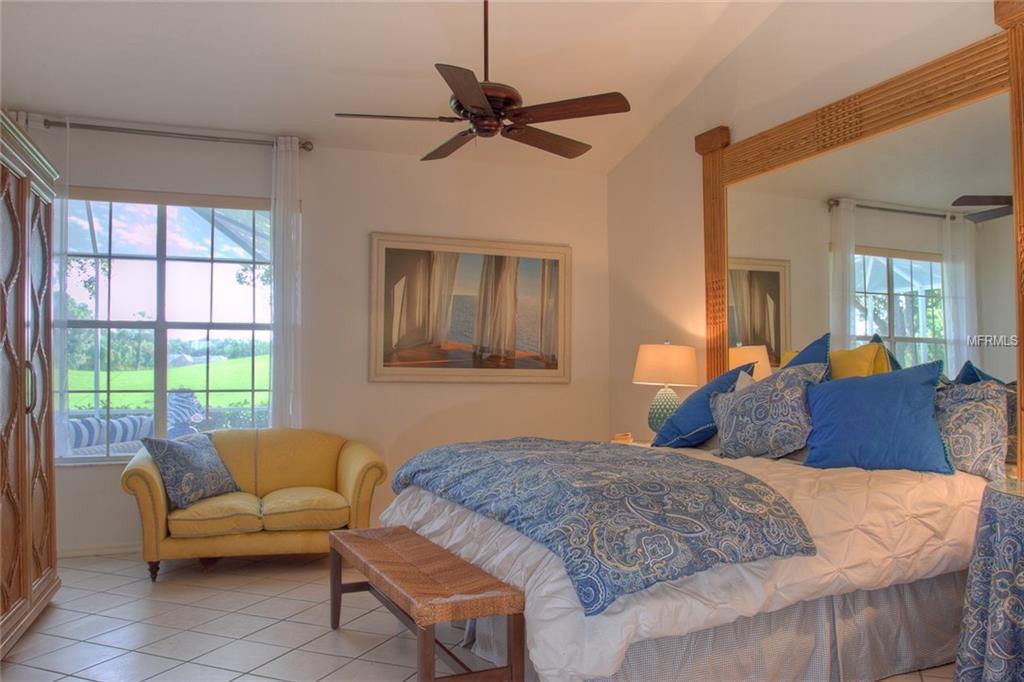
{"x": 99, "y": 549}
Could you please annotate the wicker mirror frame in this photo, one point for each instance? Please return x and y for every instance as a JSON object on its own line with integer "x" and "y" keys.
{"x": 981, "y": 70}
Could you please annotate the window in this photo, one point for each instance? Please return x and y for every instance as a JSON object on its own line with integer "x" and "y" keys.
{"x": 165, "y": 321}
{"x": 899, "y": 297}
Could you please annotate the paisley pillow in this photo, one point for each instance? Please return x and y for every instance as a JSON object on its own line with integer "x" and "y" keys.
{"x": 768, "y": 418}
{"x": 191, "y": 468}
{"x": 973, "y": 421}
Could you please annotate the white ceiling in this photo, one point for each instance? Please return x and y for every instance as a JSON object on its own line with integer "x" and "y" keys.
{"x": 966, "y": 151}
{"x": 287, "y": 67}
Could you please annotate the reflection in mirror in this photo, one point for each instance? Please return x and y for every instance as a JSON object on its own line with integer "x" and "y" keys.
{"x": 908, "y": 236}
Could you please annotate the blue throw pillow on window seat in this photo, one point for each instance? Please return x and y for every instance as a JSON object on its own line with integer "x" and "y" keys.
{"x": 693, "y": 424}
{"x": 883, "y": 421}
{"x": 816, "y": 352}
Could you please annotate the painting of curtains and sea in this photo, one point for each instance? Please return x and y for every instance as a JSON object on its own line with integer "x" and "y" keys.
{"x": 465, "y": 310}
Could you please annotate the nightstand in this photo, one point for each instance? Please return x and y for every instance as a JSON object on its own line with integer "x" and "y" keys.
{"x": 992, "y": 632}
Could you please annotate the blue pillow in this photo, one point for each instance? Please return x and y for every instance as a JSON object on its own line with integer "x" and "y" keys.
{"x": 692, "y": 424}
{"x": 970, "y": 374}
{"x": 816, "y": 352}
{"x": 190, "y": 468}
{"x": 768, "y": 418}
{"x": 884, "y": 421}
{"x": 894, "y": 364}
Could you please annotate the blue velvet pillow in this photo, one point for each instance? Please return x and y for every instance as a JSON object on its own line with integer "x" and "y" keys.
{"x": 768, "y": 418}
{"x": 816, "y": 352}
{"x": 894, "y": 364}
{"x": 692, "y": 424}
{"x": 884, "y": 421}
{"x": 970, "y": 374}
{"x": 190, "y": 468}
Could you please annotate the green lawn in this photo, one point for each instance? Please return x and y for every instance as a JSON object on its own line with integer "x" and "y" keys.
{"x": 229, "y": 374}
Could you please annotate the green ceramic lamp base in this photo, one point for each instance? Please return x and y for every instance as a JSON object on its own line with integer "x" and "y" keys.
{"x": 664, "y": 405}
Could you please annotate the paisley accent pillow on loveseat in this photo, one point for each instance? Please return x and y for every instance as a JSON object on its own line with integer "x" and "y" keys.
{"x": 190, "y": 468}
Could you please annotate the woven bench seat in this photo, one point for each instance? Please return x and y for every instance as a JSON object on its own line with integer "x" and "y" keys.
{"x": 425, "y": 585}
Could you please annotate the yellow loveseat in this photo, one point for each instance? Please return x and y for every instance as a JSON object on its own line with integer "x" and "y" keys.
{"x": 295, "y": 485}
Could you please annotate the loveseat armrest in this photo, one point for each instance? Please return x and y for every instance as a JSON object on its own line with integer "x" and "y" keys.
{"x": 142, "y": 479}
{"x": 360, "y": 470}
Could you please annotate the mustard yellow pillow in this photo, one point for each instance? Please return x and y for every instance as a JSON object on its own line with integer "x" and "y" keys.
{"x": 786, "y": 357}
{"x": 863, "y": 361}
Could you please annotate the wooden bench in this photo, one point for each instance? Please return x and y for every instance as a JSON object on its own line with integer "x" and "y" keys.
{"x": 423, "y": 585}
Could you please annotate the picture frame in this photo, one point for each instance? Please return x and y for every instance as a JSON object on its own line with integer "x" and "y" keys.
{"x": 445, "y": 309}
{"x": 759, "y": 305}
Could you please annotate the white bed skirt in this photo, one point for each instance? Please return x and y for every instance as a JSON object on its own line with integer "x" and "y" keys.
{"x": 855, "y": 637}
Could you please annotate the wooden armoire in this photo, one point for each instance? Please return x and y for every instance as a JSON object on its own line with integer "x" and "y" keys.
{"x": 28, "y": 549}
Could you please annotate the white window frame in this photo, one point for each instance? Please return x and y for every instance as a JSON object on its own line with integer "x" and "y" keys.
{"x": 888, "y": 254}
{"x": 160, "y": 325}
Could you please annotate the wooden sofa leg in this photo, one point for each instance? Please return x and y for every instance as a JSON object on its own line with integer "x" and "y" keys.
{"x": 208, "y": 563}
{"x": 154, "y": 568}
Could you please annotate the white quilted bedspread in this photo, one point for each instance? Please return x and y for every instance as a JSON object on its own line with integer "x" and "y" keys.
{"x": 872, "y": 529}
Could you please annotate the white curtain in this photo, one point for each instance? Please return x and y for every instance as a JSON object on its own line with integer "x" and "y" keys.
{"x": 739, "y": 295}
{"x": 494, "y": 331}
{"x": 959, "y": 291}
{"x": 286, "y": 220}
{"x": 443, "y": 266}
{"x": 842, "y": 312}
{"x": 549, "y": 310}
{"x": 58, "y": 280}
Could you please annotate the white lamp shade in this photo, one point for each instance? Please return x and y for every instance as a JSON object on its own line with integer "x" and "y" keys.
{"x": 663, "y": 364}
{"x": 742, "y": 355}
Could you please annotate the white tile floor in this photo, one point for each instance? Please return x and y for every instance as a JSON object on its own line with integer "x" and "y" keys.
{"x": 247, "y": 620}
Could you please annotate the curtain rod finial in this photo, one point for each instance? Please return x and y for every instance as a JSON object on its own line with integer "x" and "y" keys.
{"x": 306, "y": 146}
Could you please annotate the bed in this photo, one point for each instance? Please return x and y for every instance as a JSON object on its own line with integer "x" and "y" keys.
{"x": 882, "y": 595}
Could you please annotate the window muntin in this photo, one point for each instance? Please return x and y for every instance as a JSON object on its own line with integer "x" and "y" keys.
{"x": 168, "y": 324}
{"x": 899, "y": 297}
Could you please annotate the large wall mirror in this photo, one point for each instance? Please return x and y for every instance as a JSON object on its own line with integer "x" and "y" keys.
{"x": 922, "y": 214}
{"x": 889, "y": 213}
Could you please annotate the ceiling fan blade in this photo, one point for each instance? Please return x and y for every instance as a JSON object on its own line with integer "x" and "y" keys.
{"x": 443, "y": 119}
{"x": 580, "y": 107}
{"x": 983, "y": 200}
{"x": 466, "y": 88}
{"x": 991, "y": 214}
{"x": 450, "y": 145}
{"x": 542, "y": 139}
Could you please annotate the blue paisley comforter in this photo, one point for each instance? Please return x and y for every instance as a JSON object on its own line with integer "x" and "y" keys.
{"x": 621, "y": 518}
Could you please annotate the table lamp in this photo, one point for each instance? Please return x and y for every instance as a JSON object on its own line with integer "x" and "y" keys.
{"x": 665, "y": 365}
{"x": 742, "y": 355}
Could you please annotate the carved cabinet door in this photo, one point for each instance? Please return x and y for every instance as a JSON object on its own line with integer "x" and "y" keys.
{"x": 41, "y": 557}
{"x": 14, "y": 590}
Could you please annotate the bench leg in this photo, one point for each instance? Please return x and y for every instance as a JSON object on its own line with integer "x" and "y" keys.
{"x": 335, "y": 588}
{"x": 516, "y": 653}
{"x": 425, "y": 653}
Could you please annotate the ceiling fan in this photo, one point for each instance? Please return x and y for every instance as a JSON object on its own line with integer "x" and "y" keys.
{"x": 491, "y": 108}
{"x": 1004, "y": 203}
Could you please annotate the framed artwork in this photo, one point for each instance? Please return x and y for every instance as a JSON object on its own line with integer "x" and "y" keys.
{"x": 462, "y": 310}
{"x": 758, "y": 292}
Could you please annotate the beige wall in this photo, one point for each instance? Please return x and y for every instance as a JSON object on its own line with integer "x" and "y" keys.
{"x": 804, "y": 56}
{"x": 347, "y": 195}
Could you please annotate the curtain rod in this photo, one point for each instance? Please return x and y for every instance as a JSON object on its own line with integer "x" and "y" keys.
{"x": 305, "y": 145}
{"x": 832, "y": 203}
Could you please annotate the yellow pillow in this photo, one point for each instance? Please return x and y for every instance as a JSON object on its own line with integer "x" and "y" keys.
{"x": 860, "y": 362}
{"x": 787, "y": 356}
